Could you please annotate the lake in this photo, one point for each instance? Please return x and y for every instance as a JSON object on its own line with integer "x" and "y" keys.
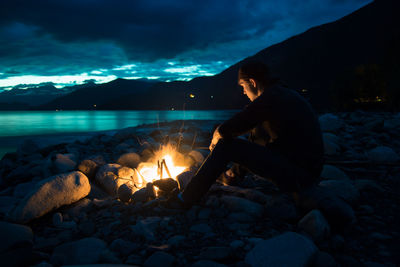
{"x": 54, "y": 126}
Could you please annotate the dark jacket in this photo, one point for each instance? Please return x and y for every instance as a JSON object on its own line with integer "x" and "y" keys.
{"x": 283, "y": 121}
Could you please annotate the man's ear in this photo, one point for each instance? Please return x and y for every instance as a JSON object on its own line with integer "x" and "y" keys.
{"x": 253, "y": 82}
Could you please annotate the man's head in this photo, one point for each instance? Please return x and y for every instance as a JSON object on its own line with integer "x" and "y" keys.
{"x": 254, "y": 77}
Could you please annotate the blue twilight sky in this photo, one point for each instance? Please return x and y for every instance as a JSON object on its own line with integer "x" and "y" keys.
{"x": 71, "y": 41}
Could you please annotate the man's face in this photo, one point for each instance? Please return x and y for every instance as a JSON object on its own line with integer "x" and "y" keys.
{"x": 249, "y": 88}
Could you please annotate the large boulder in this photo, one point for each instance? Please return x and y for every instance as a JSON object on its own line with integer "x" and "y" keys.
{"x": 84, "y": 251}
{"x": 50, "y": 194}
{"x": 288, "y": 249}
{"x": 112, "y": 176}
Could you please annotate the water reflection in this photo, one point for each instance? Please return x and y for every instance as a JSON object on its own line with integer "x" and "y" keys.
{"x": 22, "y": 123}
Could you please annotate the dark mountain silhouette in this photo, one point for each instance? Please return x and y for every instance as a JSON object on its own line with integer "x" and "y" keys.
{"x": 26, "y": 96}
{"x": 93, "y": 96}
{"x": 315, "y": 61}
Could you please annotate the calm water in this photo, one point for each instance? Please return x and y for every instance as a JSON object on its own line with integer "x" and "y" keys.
{"x": 17, "y": 125}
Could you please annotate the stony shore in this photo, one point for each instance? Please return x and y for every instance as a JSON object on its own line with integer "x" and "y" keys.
{"x": 65, "y": 205}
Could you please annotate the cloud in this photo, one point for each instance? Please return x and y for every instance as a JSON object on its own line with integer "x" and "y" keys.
{"x": 68, "y": 37}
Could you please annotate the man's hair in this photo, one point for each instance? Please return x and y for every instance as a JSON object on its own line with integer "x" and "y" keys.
{"x": 258, "y": 71}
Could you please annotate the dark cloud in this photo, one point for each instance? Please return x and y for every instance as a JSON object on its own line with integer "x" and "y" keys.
{"x": 70, "y": 37}
{"x": 147, "y": 30}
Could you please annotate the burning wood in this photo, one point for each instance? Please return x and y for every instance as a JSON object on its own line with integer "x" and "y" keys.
{"x": 166, "y": 163}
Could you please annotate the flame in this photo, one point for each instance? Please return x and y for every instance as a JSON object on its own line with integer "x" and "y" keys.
{"x": 151, "y": 171}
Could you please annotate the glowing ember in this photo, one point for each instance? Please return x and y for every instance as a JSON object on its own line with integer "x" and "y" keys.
{"x": 163, "y": 165}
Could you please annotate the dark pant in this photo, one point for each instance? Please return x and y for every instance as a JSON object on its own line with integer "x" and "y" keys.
{"x": 256, "y": 158}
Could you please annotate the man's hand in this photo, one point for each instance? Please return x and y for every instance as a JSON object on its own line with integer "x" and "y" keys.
{"x": 215, "y": 139}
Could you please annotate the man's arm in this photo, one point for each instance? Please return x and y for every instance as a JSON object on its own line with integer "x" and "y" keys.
{"x": 241, "y": 123}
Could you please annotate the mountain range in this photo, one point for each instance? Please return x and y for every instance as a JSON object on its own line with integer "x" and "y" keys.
{"x": 315, "y": 62}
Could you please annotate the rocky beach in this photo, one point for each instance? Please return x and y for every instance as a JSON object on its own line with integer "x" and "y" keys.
{"x": 84, "y": 203}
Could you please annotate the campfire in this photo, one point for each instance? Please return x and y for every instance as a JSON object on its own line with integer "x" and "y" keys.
{"x": 166, "y": 163}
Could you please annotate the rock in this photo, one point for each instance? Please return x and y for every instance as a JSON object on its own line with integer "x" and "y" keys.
{"x": 202, "y": 228}
{"x": 15, "y": 245}
{"x": 237, "y": 204}
{"x": 330, "y": 137}
{"x": 7, "y": 204}
{"x": 197, "y": 157}
{"x": 57, "y": 219}
{"x": 330, "y": 123}
{"x": 367, "y": 186}
{"x": 130, "y": 160}
{"x": 383, "y": 154}
{"x": 127, "y": 133}
{"x": 204, "y": 214}
{"x": 338, "y": 212}
{"x": 176, "y": 240}
{"x": 241, "y": 217}
{"x": 27, "y": 147}
{"x": 206, "y": 263}
{"x": 342, "y": 189}
{"x": 236, "y": 244}
{"x": 89, "y": 168}
{"x": 140, "y": 196}
{"x": 68, "y": 225}
{"x": 315, "y": 224}
{"x": 87, "y": 228}
{"x": 14, "y": 235}
{"x": 256, "y": 196}
{"x": 330, "y": 172}
{"x": 79, "y": 209}
{"x": 125, "y": 192}
{"x": 288, "y": 249}
{"x": 50, "y": 194}
{"x": 64, "y": 162}
{"x": 166, "y": 184}
{"x": 147, "y": 228}
{"x": 215, "y": 253}
{"x": 323, "y": 259}
{"x": 124, "y": 247}
{"x": 83, "y": 251}
{"x": 112, "y": 176}
{"x": 184, "y": 178}
{"x": 331, "y": 148}
{"x": 21, "y": 190}
{"x": 392, "y": 124}
{"x": 159, "y": 258}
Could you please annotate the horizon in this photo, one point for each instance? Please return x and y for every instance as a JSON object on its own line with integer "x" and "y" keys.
{"x": 75, "y": 54}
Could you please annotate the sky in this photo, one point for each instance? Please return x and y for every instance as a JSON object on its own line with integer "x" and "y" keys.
{"x": 70, "y": 42}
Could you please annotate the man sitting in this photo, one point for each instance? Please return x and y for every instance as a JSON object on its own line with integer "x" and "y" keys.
{"x": 285, "y": 143}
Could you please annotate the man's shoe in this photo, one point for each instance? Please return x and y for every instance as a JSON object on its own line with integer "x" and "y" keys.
{"x": 227, "y": 180}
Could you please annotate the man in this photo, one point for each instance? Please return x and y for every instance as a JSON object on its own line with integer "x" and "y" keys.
{"x": 285, "y": 139}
